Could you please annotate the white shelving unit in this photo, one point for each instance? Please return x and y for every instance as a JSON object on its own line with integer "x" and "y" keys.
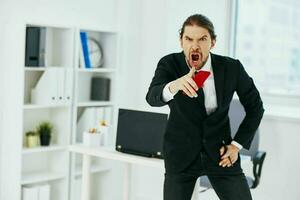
{"x": 38, "y": 177}
{"x": 88, "y": 113}
{"x": 50, "y": 164}
{"x": 44, "y": 149}
{"x": 71, "y": 112}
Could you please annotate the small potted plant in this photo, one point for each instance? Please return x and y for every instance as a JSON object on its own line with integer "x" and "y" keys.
{"x": 44, "y": 130}
{"x": 32, "y": 139}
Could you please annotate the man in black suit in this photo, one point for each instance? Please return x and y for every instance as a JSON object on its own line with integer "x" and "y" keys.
{"x": 198, "y": 140}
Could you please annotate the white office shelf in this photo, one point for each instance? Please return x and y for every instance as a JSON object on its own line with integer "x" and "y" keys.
{"x": 95, "y": 103}
{"x": 41, "y": 149}
{"x": 37, "y": 177}
{"x": 40, "y": 68}
{"x": 69, "y": 118}
{"x": 35, "y": 69}
{"x": 94, "y": 169}
{"x": 35, "y": 106}
{"x": 97, "y": 70}
{"x": 106, "y": 31}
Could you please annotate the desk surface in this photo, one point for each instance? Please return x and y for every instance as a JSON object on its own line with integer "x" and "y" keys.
{"x": 112, "y": 154}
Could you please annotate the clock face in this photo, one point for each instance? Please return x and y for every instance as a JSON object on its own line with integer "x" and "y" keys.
{"x": 95, "y": 52}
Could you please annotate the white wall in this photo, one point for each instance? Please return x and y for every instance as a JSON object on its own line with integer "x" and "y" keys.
{"x": 1, "y": 101}
{"x": 153, "y": 33}
{"x": 280, "y": 180}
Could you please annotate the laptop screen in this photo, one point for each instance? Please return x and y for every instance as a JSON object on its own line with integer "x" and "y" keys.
{"x": 141, "y": 132}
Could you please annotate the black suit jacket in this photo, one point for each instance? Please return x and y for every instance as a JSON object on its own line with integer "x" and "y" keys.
{"x": 189, "y": 128}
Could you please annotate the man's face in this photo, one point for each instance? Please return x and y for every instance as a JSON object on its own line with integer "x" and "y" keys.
{"x": 196, "y": 44}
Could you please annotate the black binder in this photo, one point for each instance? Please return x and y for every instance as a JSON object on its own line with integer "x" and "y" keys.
{"x": 141, "y": 133}
{"x": 32, "y": 46}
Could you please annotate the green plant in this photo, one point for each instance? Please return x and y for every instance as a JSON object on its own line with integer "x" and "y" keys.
{"x": 45, "y": 128}
{"x": 31, "y": 133}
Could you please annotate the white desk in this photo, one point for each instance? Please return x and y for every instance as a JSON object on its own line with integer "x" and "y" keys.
{"x": 111, "y": 154}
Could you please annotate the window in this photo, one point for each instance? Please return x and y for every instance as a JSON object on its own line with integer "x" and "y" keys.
{"x": 268, "y": 44}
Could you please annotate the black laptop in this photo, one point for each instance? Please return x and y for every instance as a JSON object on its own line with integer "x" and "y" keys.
{"x": 141, "y": 133}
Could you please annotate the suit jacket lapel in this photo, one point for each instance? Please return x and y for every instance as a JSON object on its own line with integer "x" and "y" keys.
{"x": 184, "y": 68}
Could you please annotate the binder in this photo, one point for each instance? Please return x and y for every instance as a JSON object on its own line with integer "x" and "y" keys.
{"x": 85, "y": 49}
{"x": 42, "y": 47}
{"x": 45, "y": 91}
{"x": 68, "y": 82}
{"x": 108, "y": 115}
{"x": 32, "y": 46}
{"x": 81, "y": 56}
{"x": 60, "y": 78}
{"x": 44, "y": 192}
{"x": 30, "y": 193}
{"x": 89, "y": 118}
{"x": 54, "y": 87}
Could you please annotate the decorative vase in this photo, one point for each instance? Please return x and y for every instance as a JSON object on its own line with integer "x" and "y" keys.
{"x": 32, "y": 141}
{"x": 45, "y": 140}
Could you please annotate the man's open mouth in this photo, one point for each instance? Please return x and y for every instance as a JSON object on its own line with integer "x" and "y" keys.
{"x": 195, "y": 59}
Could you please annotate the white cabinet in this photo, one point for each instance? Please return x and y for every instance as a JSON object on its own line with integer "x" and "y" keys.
{"x": 59, "y": 91}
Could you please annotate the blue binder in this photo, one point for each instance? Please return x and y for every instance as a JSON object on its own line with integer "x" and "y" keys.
{"x": 85, "y": 49}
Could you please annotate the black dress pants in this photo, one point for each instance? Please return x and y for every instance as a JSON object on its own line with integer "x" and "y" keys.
{"x": 229, "y": 183}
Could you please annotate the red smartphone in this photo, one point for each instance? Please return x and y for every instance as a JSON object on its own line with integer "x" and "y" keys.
{"x": 201, "y": 77}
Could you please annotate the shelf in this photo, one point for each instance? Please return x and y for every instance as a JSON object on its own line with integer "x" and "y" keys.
{"x": 94, "y": 169}
{"x": 98, "y": 70}
{"x": 33, "y": 106}
{"x": 35, "y": 69}
{"x": 44, "y": 149}
{"x": 40, "y": 68}
{"x": 106, "y": 31}
{"x": 95, "y": 103}
{"x": 36, "y": 177}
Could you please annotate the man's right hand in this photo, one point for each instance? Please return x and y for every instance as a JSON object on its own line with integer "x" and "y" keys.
{"x": 186, "y": 84}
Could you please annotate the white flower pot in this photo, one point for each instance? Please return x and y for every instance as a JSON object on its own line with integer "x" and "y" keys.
{"x": 92, "y": 139}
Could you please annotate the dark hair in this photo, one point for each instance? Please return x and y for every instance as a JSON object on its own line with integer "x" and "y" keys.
{"x": 199, "y": 20}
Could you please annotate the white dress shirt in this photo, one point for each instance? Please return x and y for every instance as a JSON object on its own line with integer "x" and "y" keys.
{"x": 209, "y": 90}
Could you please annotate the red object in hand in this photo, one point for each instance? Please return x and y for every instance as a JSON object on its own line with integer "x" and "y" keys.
{"x": 201, "y": 77}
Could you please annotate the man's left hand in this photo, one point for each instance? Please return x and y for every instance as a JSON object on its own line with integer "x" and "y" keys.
{"x": 230, "y": 157}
